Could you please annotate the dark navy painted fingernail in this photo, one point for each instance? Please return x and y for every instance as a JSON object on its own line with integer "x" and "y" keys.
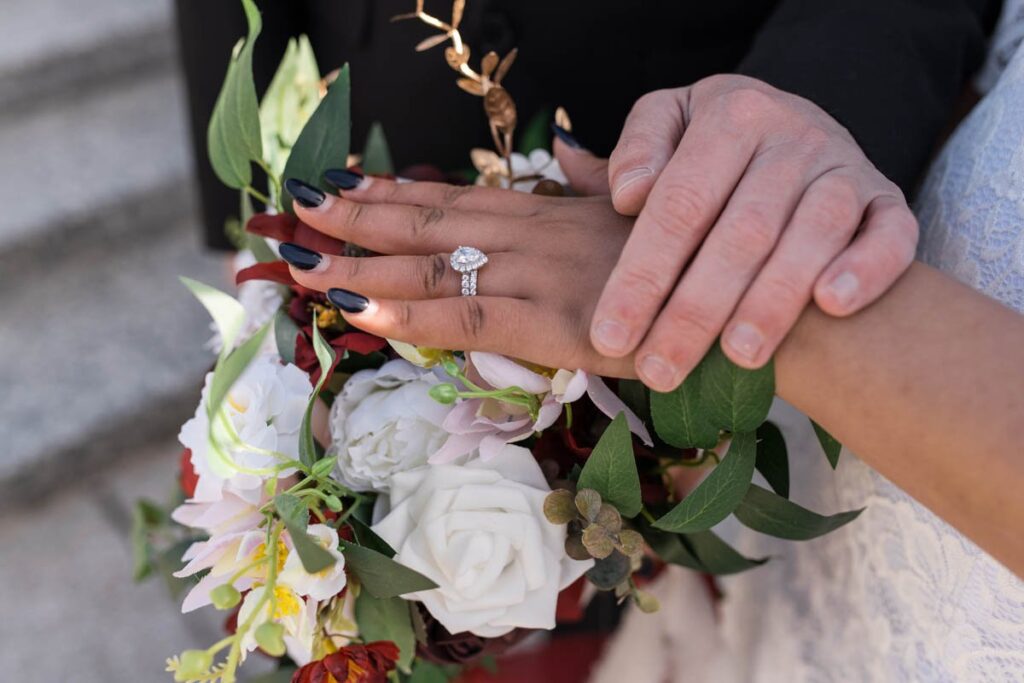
{"x": 304, "y": 193}
{"x": 343, "y": 179}
{"x": 350, "y": 302}
{"x": 300, "y": 257}
{"x": 565, "y": 136}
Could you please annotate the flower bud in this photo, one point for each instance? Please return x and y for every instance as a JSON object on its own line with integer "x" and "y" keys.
{"x": 225, "y": 596}
{"x": 193, "y": 664}
{"x": 270, "y": 638}
{"x": 333, "y": 503}
{"x": 444, "y": 394}
{"x": 323, "y": 467}
{"x": 451, "y": 367}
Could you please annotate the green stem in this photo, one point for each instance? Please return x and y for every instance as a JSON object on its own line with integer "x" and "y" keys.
{"x": 258, "y": 195}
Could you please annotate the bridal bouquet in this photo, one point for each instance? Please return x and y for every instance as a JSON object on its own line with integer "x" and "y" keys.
{"x": 365, "y": 510}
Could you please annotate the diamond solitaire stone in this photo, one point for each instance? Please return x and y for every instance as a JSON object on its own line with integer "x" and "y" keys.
{"x": 467, "y": 259}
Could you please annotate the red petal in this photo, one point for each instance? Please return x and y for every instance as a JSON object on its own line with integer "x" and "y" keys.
{"x": 359, "y": 342}
{"x": 275, "y": 271}
{"x": 569, "y": 608}
{"x": 280, "y": 227}
{"x": 189, "y": 479}
{"x": 317, "y": 241}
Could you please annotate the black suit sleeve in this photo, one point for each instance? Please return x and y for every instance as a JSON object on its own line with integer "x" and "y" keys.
{"x": 888, "y": 70}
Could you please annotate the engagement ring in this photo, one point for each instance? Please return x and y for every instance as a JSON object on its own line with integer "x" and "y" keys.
{"x": 468, "y": 260}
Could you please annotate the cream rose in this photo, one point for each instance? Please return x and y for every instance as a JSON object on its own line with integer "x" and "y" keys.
{"x": 478, "y": 531}
{"x": 384, "y": 422}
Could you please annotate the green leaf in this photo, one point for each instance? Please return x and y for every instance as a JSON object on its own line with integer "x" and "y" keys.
{"x": 771, "y": 514}
{"x": 382, "y": 576}
{"x": 670, "y": 548}
{"x": 291, "y": 99}
{"x": 681, "y": 417}
{"x": 295, "y": 515}
{"x": 228, "y": 315}
{"x": 772, "y": 458}
{"x": 829, "y": 443}
{"x": 387, "y": 619}
{"x": 537, "y": 133}
{"x": 142, "y": 550}
{"x": 231, "y": 368}
{"x": 636, "y": 397}
{"x": 611, "y": 469}
{"x": 366, "y": 537}
{"x": 717, "y": 556}
{"x": 282, "y": 675}
{"x": 308, "y": 452}
{"x": 736, "y": 399}
{"x": 426, "y": 672}
{"x": 323, "y": 143}
{"x": 233, "y": 138}
{"x": 719, "y": 494}
{"x": 377, "y": 154}
{"x": 285, "y": 334}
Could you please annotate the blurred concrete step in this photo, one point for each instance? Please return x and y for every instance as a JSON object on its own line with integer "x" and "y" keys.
{"x": 55, "y": 47}
{"x": 101, "y": 351}
{"x": 107, "y": 164}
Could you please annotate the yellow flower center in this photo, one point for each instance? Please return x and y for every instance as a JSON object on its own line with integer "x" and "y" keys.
{"x": 288, "y": 603}
{"x": 282, "y": 553}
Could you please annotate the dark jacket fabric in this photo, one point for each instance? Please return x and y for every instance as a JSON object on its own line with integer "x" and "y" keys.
{"x": 889, "y": 70}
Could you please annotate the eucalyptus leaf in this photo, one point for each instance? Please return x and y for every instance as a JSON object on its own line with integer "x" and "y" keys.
{"x": 681, "y": 417}
{"x": 771, "y": 514}
{"x": 377, "y": 154}
{"x": 308, "y": 452}
{"x": 829, "y": 443}
{"x": 228, "y": 315}
{"x": 323, "y": 143}
{"x": 611, "y": 469}
{"x": 295, "y": 516}
{"x": 737, "y": 399}
{"x": 772, "y": 458}
{"x": 718, "y": 557}
{"x": 366, "y": 537}
{"x": 382, "y": 576}
{"x": 610, "y": 571}
{"x": 286, "y": 333}
{"x": 233, "y": 138}
{"x": 387, "y": 619}
{"x": 720, "y": 492}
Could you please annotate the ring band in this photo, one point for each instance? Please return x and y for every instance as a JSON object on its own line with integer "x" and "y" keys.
{"x": 467, "y": 261}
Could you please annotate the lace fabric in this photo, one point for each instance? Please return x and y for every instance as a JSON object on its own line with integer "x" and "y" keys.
{"x": 899, "y": 595}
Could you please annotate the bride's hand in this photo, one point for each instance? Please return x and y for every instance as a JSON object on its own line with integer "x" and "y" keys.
{"x": 549, "y": 258}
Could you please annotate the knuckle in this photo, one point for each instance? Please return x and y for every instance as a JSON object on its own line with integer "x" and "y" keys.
{"x": 453, "y": 194}
{"x": 782, "y": 292}
{"x": 815, "y": 139}
{"x": 425, "y": 219}
{"x": 641, "y": 285}
{"x": 352, "y": 269}
{"x": 403, "y": 318}
{"x": 433, "y": 271}
{"x": 748, "y": 103}
{"x": 471, "y": 318}
{"x": 752, "y": 233}
{"x": 355, "y": 215}
{"x": 687, "y": 323}
{"x": 681, "y": 207}
{"x": 839, "y": 205}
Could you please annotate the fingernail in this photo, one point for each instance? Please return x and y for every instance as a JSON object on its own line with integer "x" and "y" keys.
{"x": 630, "y": 177}
{"x": 350, "y": 302}
{"x": 844, "y": 288}
{"x": 300, "y": 257}
{"x": 658, "y": 373}
{"x": 565, "y": 136}
{"x": 343, "y": 179}
{"x": 611, "y": 335}
{"x": 304, "y": 193}
{"x": 746, "y": 340}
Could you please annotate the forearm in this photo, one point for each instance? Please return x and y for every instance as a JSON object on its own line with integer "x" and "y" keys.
{"x": 927, "y": 387}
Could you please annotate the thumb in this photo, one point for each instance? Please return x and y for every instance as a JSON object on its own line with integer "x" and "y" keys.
{"x": 587, "y": 174}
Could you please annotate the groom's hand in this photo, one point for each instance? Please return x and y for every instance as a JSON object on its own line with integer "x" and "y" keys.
{"x": 750, "y": 201}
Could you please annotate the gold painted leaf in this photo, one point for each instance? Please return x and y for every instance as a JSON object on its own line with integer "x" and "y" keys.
{"x": 484, "y": 159}
{"x": 505, "y": 65}
{"x": 458, "y": 7}
{"x": 403, "y": 17}
{"x": 562, "y": 119}
{"x": 470, "y": 86}
{"x": 455, "y": 58}
{"x": 501, "y": 110}
{"x": 432, "y": 41}
{"x": 489, "y": 63}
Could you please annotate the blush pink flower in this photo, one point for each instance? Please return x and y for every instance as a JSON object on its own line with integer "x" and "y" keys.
{"x": 489, "y": 424}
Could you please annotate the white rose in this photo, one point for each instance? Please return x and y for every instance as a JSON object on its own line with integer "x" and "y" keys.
{"x": 478, "y": 531}
{"x": 264, "y": 409}
{"x": 384, "y": 422}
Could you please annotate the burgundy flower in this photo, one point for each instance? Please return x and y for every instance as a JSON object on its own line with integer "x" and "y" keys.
{"x": 443, "y": 647}
{"x": 352, "y": 664}
{"x": 187, "y": 477}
